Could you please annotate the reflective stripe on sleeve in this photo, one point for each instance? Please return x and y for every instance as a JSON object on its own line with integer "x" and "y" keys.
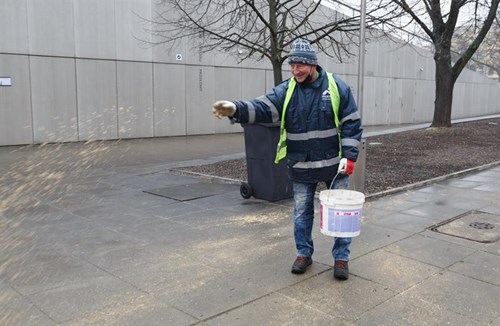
{"x": 251, "y": 111}
{"x": 353, "y": 116}
{"x": 274, "y": 112}
{"x": 350, "y": 142}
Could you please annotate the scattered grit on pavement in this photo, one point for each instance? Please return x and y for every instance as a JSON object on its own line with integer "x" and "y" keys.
{"x": 399, "y": 159}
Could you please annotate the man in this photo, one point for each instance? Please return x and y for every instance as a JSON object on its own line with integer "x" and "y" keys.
{"x": 320, "y": 133}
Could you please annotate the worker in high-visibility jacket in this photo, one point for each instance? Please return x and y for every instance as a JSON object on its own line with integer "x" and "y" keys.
{"x": 320, "y": 133}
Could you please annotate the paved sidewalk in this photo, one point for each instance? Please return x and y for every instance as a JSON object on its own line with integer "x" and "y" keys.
{"x": 83, "y": 244}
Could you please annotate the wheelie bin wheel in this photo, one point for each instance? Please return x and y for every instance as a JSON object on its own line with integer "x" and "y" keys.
{"x": 246, "y": 190}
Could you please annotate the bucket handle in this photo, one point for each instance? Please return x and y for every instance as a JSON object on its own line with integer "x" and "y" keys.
{"x": 331, "y": 185}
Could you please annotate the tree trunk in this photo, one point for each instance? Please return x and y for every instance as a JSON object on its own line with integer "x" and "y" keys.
{"x": 275, "y": 52}
{"x": 444, "y": 89}
{"x": 277, "y": 72}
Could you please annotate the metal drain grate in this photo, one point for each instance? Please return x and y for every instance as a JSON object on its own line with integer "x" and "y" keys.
{"x": 193, "y": 191}
{"x": 474, "y": 225}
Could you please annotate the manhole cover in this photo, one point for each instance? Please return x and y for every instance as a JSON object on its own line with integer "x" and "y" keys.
{"x": 474, "y": 225}
{"x": 482, "y": 226}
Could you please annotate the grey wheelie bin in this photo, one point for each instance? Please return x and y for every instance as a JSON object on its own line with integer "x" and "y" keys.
{"x": 266, "y": 180}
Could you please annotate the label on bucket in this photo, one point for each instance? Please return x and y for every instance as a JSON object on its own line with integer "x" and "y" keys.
{"x": 342, "y": 223}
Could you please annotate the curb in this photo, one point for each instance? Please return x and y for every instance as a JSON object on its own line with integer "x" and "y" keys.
{"x": 430, "y": 181}
{"x": 369, "y": 196}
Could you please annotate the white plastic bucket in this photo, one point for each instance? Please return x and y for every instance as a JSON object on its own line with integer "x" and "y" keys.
{"x": 340, "y": 212}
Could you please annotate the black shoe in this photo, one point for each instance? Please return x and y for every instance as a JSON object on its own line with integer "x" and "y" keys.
{"x": 300, "y": 264}
{"x": 341, "y": 270}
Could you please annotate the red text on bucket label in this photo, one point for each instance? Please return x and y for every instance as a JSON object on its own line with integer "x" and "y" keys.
{"x": 347, "y": 213}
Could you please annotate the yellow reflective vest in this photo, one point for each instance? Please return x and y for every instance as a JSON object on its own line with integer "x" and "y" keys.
{"x": 334, "y": 97}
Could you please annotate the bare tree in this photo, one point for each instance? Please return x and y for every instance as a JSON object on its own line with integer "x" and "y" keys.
{"x": 487, "y": 58}
{"x": 439, "y": 20}
{"x": 259, "y": 29}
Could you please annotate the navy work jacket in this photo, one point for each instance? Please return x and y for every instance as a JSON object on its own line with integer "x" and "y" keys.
{"x": 312, "y": 137}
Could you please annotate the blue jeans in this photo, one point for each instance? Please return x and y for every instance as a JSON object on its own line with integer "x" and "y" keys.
{"x": 303, "y": 218}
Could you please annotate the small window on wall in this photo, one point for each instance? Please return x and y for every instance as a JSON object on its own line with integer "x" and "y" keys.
{"x": 5, "y": 81}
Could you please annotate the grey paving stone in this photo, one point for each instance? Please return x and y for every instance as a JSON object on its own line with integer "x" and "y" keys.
{"x": 403, "y": 222}
{"x": 472, "y": 195}
{"x": 77, "y": 184}
{"x": 89, "y": 238}
{"x": 434, "y": 190}
{"x": 490, "y": 187}
{"x": 17, "y": 310}
{"x": 262, "y": 265}
{"x": 393, "y": 203}
{"x": 17, "y": 241}
{"x": 246, "y": 226}
{"x": 396, "y": 272}
{"x": 492, "y": 209}
{"x": 408, "y": 310}
{"x": 149, "y": 181}
{"x": 250, "y": 206}
{"x": 478, "y": 178}
{"x": 209, "y": 218}
{"x": 370, "y": 213}
{"x": 40, "y": 269}
{"x": 430, "y": 251}
{"x": 140, "y": 310}
{"x": 424, "y": 195}
{"x": 141, "y": 200}
{"x": 491, "y": 173}
{"x": 129, "y": 258}
{"x": 212, "y": 294}
{"x": 80, "y": 298}
{"x": 433, "y": 212}
{"x": 24, "y": 207}
{"x": 273, "y": 271}
{"x": 71, "y": 201}
{"x": 102, "y": 211}
{"x": 161, "y": 231}
{"x": 280, "y": 227}
{"x": 116, "y": 220}
{"x": 103, "y": 242}
{"x": 275, "y": 309}
{"x": 168, "y": 271}
{"x": 173, "y": 210}
{"x": 110, "y": 192}
{"x": 462, "y": 295}
{"x": 42, "y": 219}
{"x": 41, "y": 223}
{"x": 372, "y": 237}
{"x": 231, "y": 201}
{"x": 462, "y": 203}
{"x": 494, "y": 248}
{"x": 346, "y": 299}
{"x": 460, "y": 183}
{"x": 481, "y": 266}
{"x": 225, "y": 249}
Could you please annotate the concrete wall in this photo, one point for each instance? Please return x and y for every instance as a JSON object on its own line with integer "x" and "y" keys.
{"x": 79, "y": 72}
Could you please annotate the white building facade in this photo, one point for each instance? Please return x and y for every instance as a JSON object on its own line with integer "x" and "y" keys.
{"x": 75, "y": 70}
